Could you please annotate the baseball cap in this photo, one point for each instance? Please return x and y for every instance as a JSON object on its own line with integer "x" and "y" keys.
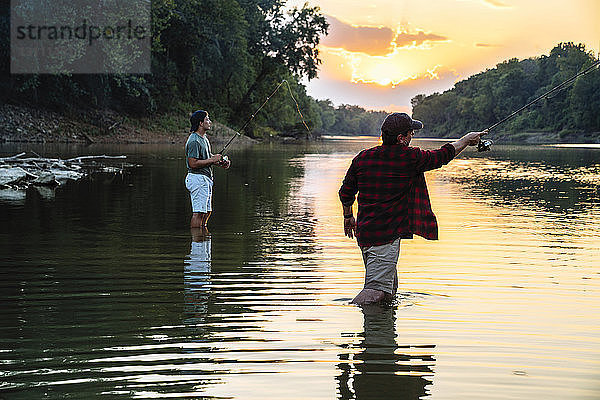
{"x": 399, "y": 123}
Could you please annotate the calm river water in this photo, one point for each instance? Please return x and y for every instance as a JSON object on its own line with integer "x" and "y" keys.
{"x": 105, "y": 292}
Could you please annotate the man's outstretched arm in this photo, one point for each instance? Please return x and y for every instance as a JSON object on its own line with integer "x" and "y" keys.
{"x": 470, "y": 139}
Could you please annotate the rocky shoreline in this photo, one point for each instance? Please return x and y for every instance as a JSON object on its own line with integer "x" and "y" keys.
{"x": 23, "y": 124}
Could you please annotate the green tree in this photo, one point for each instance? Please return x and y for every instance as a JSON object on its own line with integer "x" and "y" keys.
{"x": 487, "y": 97}
{"x": 221, "y": 55}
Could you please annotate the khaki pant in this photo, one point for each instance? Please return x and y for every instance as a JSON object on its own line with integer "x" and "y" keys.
{"x": 380, "y": 266}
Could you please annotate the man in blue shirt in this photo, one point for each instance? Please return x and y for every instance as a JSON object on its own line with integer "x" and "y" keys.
{"x": 199, "y": 161}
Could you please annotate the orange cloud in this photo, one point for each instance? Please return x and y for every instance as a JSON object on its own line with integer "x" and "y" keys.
{"x": 496, "y": 3}
{"x": 374, "y": 41}
{"x": 376, "y": 97}
{"x": 402, "y": 65}
{"x": 492, "y": 3}
{"x": 379, "y": 55}
{"x": 486, "y": 45}
{"x": 387, "y": 74}
{"x": 405, "y": 39}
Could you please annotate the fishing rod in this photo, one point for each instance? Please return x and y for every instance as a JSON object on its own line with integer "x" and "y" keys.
{"x": 237, "y": 133}
{"x": 484, "y": 145}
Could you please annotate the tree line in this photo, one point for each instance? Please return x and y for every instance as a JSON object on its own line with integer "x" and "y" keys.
{"x": 349, "y": 119}
{"x": 486, "y": 98}
{"x": 225, "y": 56}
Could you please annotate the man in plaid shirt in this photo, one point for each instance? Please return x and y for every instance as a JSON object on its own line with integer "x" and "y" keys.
{"x": 393, "y": 202}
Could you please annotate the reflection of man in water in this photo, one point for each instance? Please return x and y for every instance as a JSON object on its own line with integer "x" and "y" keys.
{"x": 377, "y": 371}
{"x": 196, "y": 277}
{"x": 393, "y": 202}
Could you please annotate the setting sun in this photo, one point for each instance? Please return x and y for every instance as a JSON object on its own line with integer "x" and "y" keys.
{"x": 410, "y": 48}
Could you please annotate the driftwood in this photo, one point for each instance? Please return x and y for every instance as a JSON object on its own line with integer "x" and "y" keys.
{"x": 18, "y": 172}
{"x": 88, "y": 138}
{"x": 94, "y": 158}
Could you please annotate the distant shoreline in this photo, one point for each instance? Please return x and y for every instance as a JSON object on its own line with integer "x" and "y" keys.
{"x": 538, "y": 138}
{"x": 24, "y": 124}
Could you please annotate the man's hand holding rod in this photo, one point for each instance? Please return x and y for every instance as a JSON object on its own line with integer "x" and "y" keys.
{"x": 470, "y": 139}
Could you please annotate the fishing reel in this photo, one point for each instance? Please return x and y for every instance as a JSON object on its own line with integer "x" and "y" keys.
{"x": 224, "y": 161}
{"x": 484, "y": 145}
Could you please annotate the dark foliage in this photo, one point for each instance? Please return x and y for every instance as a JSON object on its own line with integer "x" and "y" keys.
{"x": 225, "y": 56}
{"x": 483, "y": 99}
{"x": 349, "y": 120}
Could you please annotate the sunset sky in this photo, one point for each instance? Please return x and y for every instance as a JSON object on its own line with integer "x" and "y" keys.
{"x": 381, "y": 53}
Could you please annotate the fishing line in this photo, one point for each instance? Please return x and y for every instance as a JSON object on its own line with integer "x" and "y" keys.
{"x": 237, "y": 133}
{"x": 484, "y": 145}
{"x": 297, "y": 107}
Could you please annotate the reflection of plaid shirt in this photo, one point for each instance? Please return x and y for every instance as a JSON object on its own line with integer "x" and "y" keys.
{"x": 392, "y": 195}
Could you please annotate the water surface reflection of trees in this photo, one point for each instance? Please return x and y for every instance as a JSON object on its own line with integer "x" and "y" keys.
{"x": 539, "y": 178}
{"x": 99, "y": 272}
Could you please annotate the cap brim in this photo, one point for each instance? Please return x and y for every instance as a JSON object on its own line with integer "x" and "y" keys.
{"x": 416, "y": 124}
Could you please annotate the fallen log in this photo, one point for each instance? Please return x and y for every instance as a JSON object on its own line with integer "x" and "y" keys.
{"x": 18, "y": 172}
{"x": 13, "y": 157}
{"x": 12, "y": 175}
{"x": 88, "y": 138}
{"x": 95, "y": 157}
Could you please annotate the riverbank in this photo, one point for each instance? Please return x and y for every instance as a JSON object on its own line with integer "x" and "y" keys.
{"x": 33, "y": 125}
{"x": 507, "y": 138}
{"x": 531, "y": 137}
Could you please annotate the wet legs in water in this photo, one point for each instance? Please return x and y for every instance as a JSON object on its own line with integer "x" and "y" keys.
{"x": 199, "y": 220}
{"x": 374, "y": 296}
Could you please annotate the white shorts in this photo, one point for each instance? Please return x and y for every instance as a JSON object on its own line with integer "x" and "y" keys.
{"x": 200, "y": 187}
{"x": 380, "y": 266}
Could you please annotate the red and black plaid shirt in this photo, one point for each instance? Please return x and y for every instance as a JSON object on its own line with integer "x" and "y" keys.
{"x": 392, "y": 195}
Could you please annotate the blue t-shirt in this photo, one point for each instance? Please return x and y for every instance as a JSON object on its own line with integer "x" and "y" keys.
{"x": 198, "y": 147}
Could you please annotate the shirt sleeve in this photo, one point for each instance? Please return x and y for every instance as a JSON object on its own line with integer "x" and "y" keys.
{"x": 193, "y": 149}
{"x": 349, "y": 186}
{"x": 427, "y": 160}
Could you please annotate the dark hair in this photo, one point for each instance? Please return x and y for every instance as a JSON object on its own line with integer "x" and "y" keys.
{"x": 196, "y": 119}
{"x": 389, "y": 140}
